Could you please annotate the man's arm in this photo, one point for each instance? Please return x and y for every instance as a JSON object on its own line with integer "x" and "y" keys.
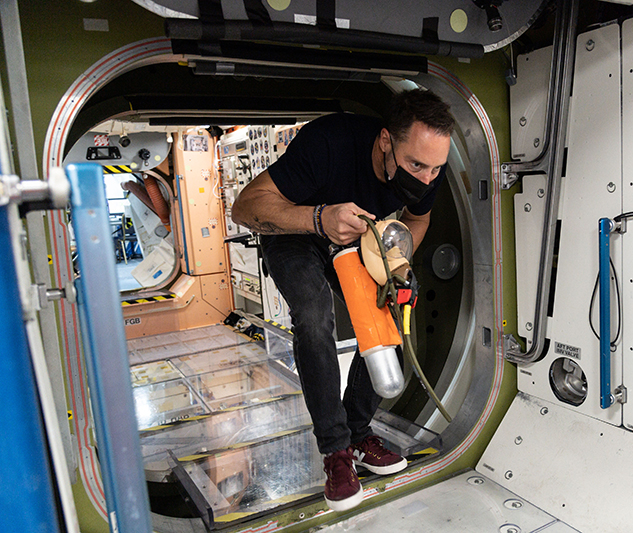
{"x": 262, "y": 208}
{"x": 417, "y": 224}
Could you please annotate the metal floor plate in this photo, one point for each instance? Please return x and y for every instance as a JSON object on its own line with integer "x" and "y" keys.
{"x": 468, "y": 503}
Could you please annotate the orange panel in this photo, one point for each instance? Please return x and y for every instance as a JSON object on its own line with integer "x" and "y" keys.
{"x": 200, "y": 301}
{"x": 200, "y": 203}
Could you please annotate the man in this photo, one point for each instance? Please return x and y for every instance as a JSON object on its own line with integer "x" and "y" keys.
{"x": 338, "y": 167}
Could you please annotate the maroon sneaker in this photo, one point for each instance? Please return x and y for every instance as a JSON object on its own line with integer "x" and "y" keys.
{"x": 342, "y": 488}
{"x": 371, "y": 454}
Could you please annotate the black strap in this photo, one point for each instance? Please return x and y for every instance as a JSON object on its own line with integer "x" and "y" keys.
{"x": 210, "y": 10}
{"x": 257, "y": 12}
{"x": 326, "y": 13}
{"x": 429, "y": 29}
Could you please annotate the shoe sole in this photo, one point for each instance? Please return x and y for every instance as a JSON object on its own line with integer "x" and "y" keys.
{"x": 347, "y": 503}
{"x": 384, "y": 470}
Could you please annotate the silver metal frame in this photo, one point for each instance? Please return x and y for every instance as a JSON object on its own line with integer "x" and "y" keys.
{"x": 550, "y": 162}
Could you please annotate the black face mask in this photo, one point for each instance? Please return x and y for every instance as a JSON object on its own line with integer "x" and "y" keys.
{"x": 407, "y": 188}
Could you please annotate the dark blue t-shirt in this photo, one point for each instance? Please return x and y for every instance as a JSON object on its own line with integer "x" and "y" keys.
{"x": 329, "y": 162}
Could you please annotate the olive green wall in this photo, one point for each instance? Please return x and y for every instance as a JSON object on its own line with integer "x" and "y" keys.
{"x": 58, "y": 50}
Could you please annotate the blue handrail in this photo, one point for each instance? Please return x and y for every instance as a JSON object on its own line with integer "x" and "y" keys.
{"x": 605, "y": 226}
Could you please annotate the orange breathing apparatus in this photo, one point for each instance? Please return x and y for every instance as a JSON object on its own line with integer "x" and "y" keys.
{"x": 386, "y": 250}
{"x": 375, "y": 330}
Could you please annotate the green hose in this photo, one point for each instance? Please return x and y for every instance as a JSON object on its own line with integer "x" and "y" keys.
{"x": 381, "y": 300}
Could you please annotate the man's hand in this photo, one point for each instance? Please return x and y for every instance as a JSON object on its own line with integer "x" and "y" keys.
{"x": 341, "y": 223}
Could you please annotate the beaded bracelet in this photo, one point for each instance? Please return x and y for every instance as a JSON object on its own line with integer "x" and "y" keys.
{"x": 318, "y": 221}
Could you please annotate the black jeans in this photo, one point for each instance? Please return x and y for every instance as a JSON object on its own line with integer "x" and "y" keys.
{"x": 303, "y": 272}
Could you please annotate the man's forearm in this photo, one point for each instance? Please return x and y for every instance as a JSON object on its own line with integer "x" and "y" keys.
{"x": 268, "y": 214}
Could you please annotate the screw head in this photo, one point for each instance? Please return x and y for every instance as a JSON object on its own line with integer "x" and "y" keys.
{"x": 508, "y": 474}
{"x": 518, "y": 440}
{"x": 537, "y": 141}
{"x": 544, "y": 411}
{"x": 529, "y": 326}
{"x": 540, "y": 193}
{"x": 513, "y": 503}
{"x": 476, "y": 480}
{"x": 527, "y": 208}
{"x": 590, "y": 45}
{"x": 522, "y": 121}
{"x": 611, "y": 187}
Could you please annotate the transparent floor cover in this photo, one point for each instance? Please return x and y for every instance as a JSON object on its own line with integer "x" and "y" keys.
{"x": 231, "y": 412}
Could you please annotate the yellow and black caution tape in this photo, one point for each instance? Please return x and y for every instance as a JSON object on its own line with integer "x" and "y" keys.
{"x": 278, "y": 325}
{"x": 117, "y": 169}
{"x": 149, "y": 299}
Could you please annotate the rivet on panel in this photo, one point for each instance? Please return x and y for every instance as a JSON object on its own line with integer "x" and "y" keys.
{"x": 509, "y": 528}
{"x": 513, "y": 503}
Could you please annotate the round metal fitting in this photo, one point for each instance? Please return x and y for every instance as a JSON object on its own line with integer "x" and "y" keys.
{"x": 527, "y": 208}
{"x": 522, "y": 121}
{"x": 476, "y": 480}
{"x": 611, "y": 187}
{"x": 544, "y": 411}
{"x": 508, "y": 474}
{"x": 513, "y": 503}
{"x": 446, "y": 261}
{"x": 302, "y": 516}
{"x": 568, "y": 381}
{"x": 518, "y": 440}
{"x": 509, "y": 528}
{"x": 590, "y": 45}
{"x": 540, "y": 193}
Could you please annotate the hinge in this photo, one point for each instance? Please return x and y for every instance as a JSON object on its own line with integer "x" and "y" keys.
{"x": 508, "y": 179}
{"x": 510, "y": 344}
{"x": 42, "y": 295}
{"x": 620, "y": 394}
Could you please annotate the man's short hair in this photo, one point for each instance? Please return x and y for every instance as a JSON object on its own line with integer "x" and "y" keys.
{"x": 418, "y": 105}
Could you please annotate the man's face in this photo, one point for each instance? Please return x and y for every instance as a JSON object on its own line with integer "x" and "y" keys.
{"x": 421, "y": 154}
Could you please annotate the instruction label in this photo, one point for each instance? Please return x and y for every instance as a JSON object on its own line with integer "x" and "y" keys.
{"x": 567, "y": 350}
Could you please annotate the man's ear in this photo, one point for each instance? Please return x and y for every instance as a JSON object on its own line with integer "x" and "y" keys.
{"x": 384, "y": 140}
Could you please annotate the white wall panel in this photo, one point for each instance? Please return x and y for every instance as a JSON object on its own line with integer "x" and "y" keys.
{"x": 591, "y": 190}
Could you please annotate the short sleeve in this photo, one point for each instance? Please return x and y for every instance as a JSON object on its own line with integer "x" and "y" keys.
{"x": 300, "y": 172}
